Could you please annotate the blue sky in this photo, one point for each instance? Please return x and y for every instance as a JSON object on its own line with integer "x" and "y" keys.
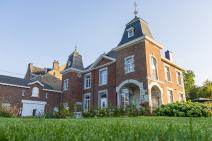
{"x": 40, "y": 31}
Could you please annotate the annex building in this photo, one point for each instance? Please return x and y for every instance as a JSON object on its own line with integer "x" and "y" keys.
{"x": 133, "y": 73}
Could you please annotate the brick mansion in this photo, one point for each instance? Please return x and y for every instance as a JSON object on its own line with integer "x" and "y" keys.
{"x": 133, "y": 73}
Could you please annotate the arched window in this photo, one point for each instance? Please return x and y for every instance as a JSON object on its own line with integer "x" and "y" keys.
{"x": 35, "y": 92}
{"x": 154, "y": 69}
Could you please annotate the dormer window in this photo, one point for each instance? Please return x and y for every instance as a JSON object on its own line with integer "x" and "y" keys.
{"x": 35, "y": 92}
{"x": 130, "y": 32}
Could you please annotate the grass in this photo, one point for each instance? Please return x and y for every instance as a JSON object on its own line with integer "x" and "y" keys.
{"x": 107, "y": 129}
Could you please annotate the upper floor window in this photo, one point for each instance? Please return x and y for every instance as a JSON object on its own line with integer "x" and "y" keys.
{"x": 167, "y": 73}
{"x": 154, "y": 68}
{"x": 129, "y": 64}
{"x": 87, "y": 81}
{"x": 103, "y": 76}
{"x": 35, "y": 92}
{"x": 23, "y": 92}
{"x": 103, "y": 99}
{"x": 179, "y": 78}
{"x": 65, "y": 84}
{"x": 170, "y": 96}
{"x": 130, "y": 32}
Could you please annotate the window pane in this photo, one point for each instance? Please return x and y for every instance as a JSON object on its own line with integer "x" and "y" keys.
{"x": 103, "y": 77}
{"x": 154, "y": 68}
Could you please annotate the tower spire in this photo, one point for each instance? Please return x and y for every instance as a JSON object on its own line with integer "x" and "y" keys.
{"x": 135, "y": 11}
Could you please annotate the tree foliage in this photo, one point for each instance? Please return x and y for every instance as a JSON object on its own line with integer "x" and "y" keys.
{"x": 189, "y": 81}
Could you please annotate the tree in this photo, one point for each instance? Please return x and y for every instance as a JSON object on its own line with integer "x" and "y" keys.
{"x": 207, "y": 89}
{"x": 189, "y": 82}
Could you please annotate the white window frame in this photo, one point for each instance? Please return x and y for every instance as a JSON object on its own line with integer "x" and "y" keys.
{"x": 168, "y": 96}
{"x": 65, "y": 84}
{"x": 46, "y": 95}
{"x": 23, "y": 92}
{"x": 129, "y": 67}
{"x": 153, "y": 67}
{"x": 99, "y": 98}
{"x": 166, "y": 77}
{"x": 181, "y": 77}
{"x": 106, "y": 81}
{"x": 86, "y": 85}
{"x": 130, "y": 32}
{"x": 35, "y": 92}
{"x": 181, "y": 94}
{"x": 86, "y": 107}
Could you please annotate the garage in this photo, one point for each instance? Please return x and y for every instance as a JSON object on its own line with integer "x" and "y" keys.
{"x": 33, "y": 108}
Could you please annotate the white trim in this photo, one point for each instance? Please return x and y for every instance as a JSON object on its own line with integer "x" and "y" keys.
{"x": 166, "y": 77}
{"x": 158, "y": 81}
{"x": 83, "y": 101}
{"x": 173, "y": 100}
{"x": 35, "y": 83}
{"x": 126, "y": 67}
{"x": 65, "y": 86}
{"x": 103, "y": 69}
{"x": 85, "y": 81}
{"x": 70, "y": 70}
{"x": 52, "y": 90}
{"x": 99, "y": 102}
{"x": 152, "y": 84}
{"x": 12, "y": 85}
{"x": 130, "y": 32}
{"x": 131, "y": 28}
{"x": 137, "y": 40}
{"x": 181, "y": 74}
{"x": 34, "y": 102}
{"x": 157, "y": 69}
{"x": 171, "y": 63}
{"x": 143, "y": 96}
{"x": 99, "y": 59}
{"x": 104, "y": 65}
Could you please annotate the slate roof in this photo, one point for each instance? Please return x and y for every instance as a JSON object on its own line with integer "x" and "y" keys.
{"x": 51, "y": 81}
{"x": 141, "y": 28}
{"x": 20, "y": 82}
{"x": 13, "y": 80}
{"x": 75, "y": 61}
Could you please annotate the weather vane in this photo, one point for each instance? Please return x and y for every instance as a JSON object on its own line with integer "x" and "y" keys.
{"x": 75, "y": 47}
{"x": 135, "y": 12}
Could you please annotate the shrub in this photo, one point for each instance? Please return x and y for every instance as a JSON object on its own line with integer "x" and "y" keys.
{"x": 5, "y": 112}
{"x": 183, "y": 109}
{"x": 130, "y": 111}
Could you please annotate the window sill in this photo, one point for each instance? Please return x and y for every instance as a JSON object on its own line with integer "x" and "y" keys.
{"x": 102, "y": 84}
{"x": 87, "y": 88}
{"x": 129, "y": 72}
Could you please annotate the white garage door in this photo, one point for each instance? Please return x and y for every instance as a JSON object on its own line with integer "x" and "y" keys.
{"x": 33, "y": 108}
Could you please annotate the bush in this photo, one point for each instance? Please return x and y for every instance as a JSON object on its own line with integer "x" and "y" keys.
{"x": 5, "y": 112}
{"x": 183, "y": 109}
{"x": 130, "y": 111}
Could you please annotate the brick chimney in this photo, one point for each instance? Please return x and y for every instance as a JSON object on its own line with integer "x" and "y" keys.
{"x": 169, "y": 55}
{"x": 56, "y": 65}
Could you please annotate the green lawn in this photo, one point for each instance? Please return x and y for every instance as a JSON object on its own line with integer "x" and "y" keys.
{"x": 103, "y": 129}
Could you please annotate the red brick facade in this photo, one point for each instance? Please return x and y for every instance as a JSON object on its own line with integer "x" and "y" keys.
{"x": 133, "y": 73}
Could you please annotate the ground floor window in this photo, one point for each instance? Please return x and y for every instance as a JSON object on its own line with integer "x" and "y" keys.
{"x": 181, "y": 97}
{"x": 103, "y": 99}
{"x": 170, "y": 96}
{"x": 125, "y": 97}
{"x": 86, "y": 102}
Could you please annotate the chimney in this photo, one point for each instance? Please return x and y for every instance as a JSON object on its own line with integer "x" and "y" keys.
{"x": 30, "y": 65}
{"x": 56, "y": 65}
{"x": 169, "y": 55}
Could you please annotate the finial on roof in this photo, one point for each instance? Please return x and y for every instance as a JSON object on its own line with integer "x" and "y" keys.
{"x": 135, "y": 11}
{"x": 75, "y": 48}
